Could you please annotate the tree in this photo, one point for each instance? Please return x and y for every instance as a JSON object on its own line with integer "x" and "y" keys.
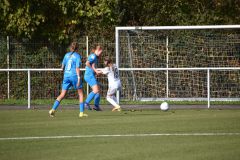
{"x": 55, "y": 19}
{"x": 179, "y": 12}
{"x": 61, "y": 20}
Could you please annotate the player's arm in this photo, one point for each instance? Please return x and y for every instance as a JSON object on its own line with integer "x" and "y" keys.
{"x": 92, "y": 67}
{"x": 63, "y": 63}
{"x": 105, "y": 70}
{"x": 78, "y": 76}
{"x": 78, "y": 63}
{"x": 78, "y": 72}
{"x": 62, "y": 67}
{"x": 88, "y": 64}
{"x": 95, "y": 69}
{"x": 91, "y": 63}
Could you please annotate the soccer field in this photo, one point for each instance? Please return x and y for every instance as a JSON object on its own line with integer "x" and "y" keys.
{"x": 131, "y": 135}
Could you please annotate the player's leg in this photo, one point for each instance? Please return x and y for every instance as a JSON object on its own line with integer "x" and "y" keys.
{"x": 112, "y": 99}
{"x": 91, "y": 80}
{"x": 57, "y": 103}
{"x": 119, "y": 87}
{"x": 65, "y": 86}
{"x": 97, "y": 98}
{"x": 81, "y": 104}
{"x": 115, "y": 99}
{"x": 80, "y": 96}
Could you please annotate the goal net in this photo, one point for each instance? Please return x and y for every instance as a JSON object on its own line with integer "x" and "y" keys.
{"x": 172, "y": 63}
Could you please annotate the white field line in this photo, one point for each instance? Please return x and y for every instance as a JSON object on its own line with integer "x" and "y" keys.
{"x": 121, "y": 135}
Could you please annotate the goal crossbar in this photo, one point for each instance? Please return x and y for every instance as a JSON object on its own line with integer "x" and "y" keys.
{"x": 178, "y": 27}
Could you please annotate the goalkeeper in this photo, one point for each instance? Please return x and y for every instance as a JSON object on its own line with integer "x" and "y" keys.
{"x": 114, "y": 83}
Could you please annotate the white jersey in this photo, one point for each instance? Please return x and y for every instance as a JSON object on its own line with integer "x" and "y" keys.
{"x": 113, "y": 76}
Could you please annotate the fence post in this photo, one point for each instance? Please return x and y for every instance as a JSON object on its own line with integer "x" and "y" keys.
{"x": 29, "y": 89}
{"x": 208, "y": 86}
{"x": 87, "y": 50}
{"x": 117, "y": 56}
{"x": 8, "y": 76}
{"x": 167, "y": 66}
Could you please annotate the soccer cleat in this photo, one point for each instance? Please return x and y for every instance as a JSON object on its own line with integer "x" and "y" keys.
{"x": 88, "y": 106}
{"x": 81, "y": 115}
{"x": 97, "y": 108}
{"x": 116, "y": 109}
{"x": 52, "y": 113}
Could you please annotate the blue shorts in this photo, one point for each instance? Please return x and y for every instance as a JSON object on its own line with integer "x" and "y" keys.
{"x": 91, "y": 80}
{"x": 71, "y": 82}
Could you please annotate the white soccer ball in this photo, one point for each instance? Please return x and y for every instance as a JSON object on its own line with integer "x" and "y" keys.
{"x": 164, "y": 106}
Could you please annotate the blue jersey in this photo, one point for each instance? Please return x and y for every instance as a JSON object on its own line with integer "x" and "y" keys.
{"x": 71, "y": 61}
{"x": 92, "y": 58}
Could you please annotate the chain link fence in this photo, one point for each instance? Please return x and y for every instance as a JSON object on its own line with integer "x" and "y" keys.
{"x": 24, "y": 54}
{"x": 136, "y": 51}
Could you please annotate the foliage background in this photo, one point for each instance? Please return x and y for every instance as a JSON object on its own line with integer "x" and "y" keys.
{"x": 64, "y": 20}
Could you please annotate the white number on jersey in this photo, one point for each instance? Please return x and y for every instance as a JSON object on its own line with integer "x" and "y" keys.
{"x": 69, "y": 65}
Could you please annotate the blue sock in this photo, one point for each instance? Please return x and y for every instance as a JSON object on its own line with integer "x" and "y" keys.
{"x": 81, "y": 107}
{"x": 90, "y": 97}
{"x": 55, "y": 105}
{"x": 97, "y": 100}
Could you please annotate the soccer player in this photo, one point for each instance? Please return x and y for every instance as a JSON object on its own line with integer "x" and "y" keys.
{"x": 90, "y": 78}
{"x": 114, "y": 83}
{"x": 71, "y": 66}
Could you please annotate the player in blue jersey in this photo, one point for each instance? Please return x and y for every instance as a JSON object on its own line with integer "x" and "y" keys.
{"x": 90, "y": 78}
{"x": 71, "y": 66}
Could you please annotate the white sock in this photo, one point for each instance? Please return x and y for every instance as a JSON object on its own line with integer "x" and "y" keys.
{"x": 110, "y": 100}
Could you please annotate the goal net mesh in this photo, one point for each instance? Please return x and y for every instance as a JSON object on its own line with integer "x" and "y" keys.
{"x": 179, "y": 49}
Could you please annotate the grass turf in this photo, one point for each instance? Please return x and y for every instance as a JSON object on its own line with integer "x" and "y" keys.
{"x": 31, "y": 123}
{"x": 104, "y": 101}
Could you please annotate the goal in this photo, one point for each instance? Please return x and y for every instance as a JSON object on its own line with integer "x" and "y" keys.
{"x": 179, "y": 62}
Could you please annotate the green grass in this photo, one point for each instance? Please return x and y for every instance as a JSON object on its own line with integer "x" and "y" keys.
{"x": 29, "y": 123}
{"x": 103, "y": 101}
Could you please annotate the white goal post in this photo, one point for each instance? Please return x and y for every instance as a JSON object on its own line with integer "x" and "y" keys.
{"x": 208, "y": 70}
